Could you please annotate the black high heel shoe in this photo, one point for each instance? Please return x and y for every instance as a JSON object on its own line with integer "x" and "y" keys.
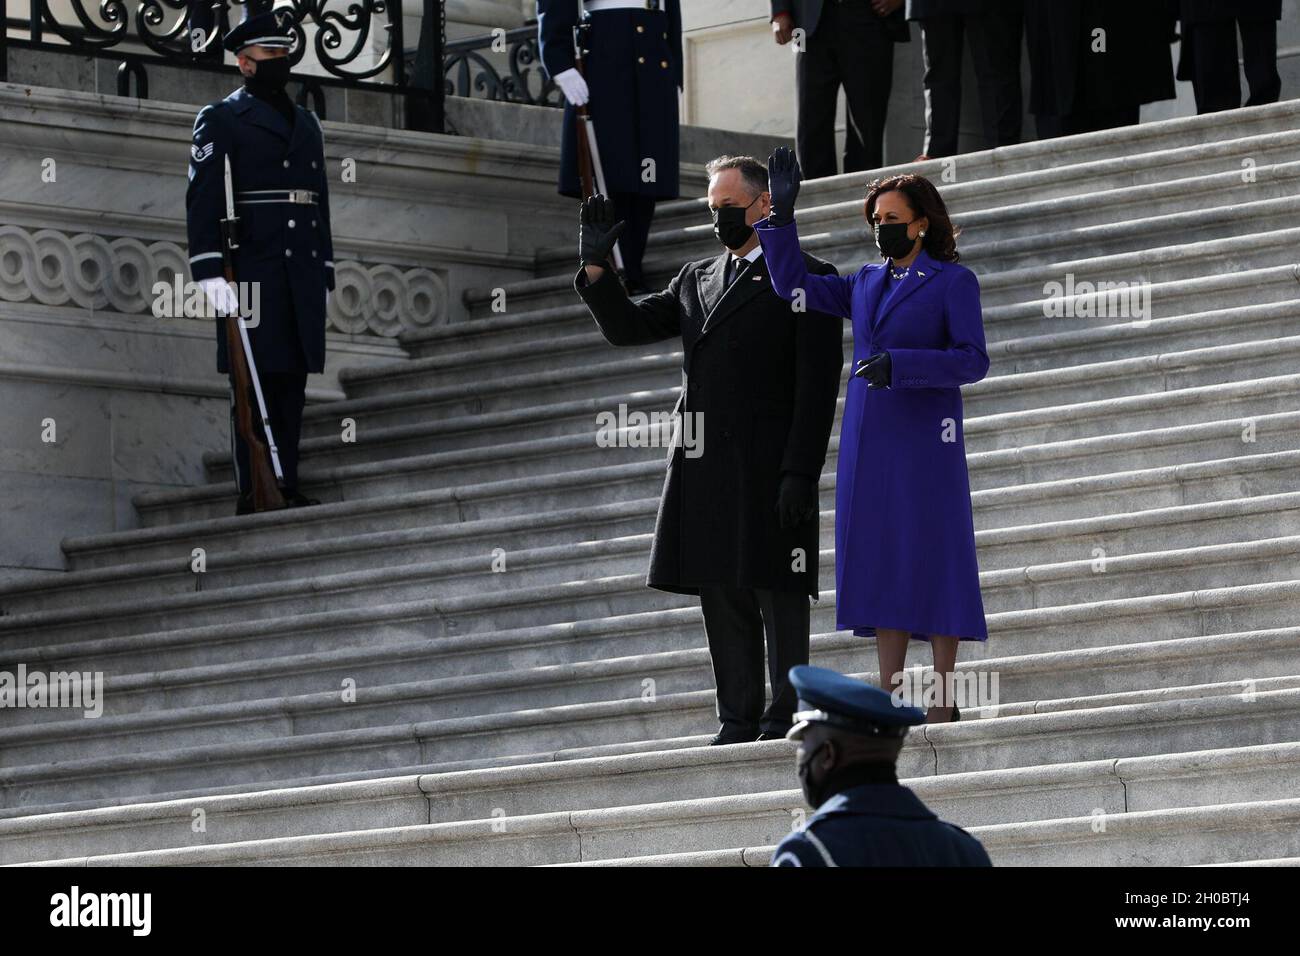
{"x": 954, "y": 716}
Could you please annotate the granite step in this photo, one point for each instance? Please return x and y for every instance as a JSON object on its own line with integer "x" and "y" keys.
{"x": 460, "y": 679}
{"x": 1200, "y": 208}
{"x": 1193, "y": 836}
{"x": 680, "y": 779}
{"x": 461, "y": 550}
{"x": 1033, "y": 353}
{"x": 401, "y": 636}
{"x": 683, "y": 826}
{"x": 1207, "y": 717}
{"x": 1041, "y": 158}
{"x": 481, "y": 507}
{"x": 843, "y": 196}
{"x": 1171, "y": 618}
{"x": 1090, "y": 455}
{"x": 655, "y": 391}
{"x": 847, "y": 250}
{"x": 524, "y": 331}
{"x": 153, "y": 710}
{"x": 591, "y": 579}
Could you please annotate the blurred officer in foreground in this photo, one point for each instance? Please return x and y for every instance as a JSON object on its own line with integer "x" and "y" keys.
{"x": 277, "y": 155}
{"x": 850, "y": 735}
{"x": 632, "y": 73}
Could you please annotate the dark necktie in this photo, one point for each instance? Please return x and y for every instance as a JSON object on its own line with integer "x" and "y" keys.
{"x": 736, "y": 266}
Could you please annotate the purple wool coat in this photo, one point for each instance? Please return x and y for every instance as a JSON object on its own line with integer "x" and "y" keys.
{"x": 904, "y": 532}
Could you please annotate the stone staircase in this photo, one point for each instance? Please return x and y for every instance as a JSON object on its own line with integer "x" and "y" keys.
{"x": 362, "y": 683}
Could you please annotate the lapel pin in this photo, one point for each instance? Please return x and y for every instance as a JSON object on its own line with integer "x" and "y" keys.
{"x": 920, "y": 273}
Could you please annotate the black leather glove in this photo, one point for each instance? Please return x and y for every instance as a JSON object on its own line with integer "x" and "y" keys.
{"x": 796, "y": 500}
{"x": 877, "y": 370}
{"x": 783, "y": 178}
{"x": 598, "y": 232}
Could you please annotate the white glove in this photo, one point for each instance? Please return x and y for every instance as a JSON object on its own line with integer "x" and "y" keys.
{"x": 221, "y": 295}
{"x": 573, "y": 86}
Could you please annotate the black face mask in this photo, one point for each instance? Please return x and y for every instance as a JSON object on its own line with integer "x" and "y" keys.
{"x": 271, "y": 75}
{"x": 813, "y": 791}
{"x": 892, "y": 239}
{"x": 730, "y": 227}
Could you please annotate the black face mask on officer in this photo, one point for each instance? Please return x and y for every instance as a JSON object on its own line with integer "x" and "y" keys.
{"x": 271, "y": 76}
{"x": 730, "y": 227}
{"x": 812, "y": 789}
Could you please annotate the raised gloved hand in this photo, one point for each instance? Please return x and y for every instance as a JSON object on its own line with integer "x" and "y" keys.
{"x": 796, "y": 500}
{"x": 573, "y": 86}
{"x": 220, "y": 295}
{"x": 783, "y": 178}
{"x": 877, "y": 370}
{"x": 598, "y": 232}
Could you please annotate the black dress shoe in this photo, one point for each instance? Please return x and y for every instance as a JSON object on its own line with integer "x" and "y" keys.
{"x": 293, "y": 499}
{"x": 730, "y": 738}
{"x": 244, "y": 506}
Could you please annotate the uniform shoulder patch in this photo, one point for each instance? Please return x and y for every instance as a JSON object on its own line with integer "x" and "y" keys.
{"x": 214, "y": 115}
{"x": 802, "y": 849}
{"x": 201, "y": 153}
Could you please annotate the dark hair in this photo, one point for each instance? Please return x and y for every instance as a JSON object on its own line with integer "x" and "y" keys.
{"x": 751, "y": 170}
{"x": 940, "y": 237}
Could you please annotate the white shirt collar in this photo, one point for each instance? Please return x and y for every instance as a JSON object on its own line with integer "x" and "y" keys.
{"x": 750, "y": 256}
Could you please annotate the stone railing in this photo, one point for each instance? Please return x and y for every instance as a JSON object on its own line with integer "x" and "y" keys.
{"x": 124, "y": 274}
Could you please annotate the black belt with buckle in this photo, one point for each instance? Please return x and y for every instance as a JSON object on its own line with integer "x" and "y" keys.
{"x": 652, "y": 5}
{"x": 299, "y": 197}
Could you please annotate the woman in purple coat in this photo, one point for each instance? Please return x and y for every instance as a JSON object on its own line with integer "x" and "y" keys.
{"x": 905, "y": 562}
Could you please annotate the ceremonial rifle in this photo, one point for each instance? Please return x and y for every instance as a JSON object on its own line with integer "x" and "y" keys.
{"x": 589, "y": 167}
{"x": 263, "y": 458}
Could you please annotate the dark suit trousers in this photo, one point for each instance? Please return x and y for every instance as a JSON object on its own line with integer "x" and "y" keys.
{"x": 850, "y": 48}
{"x": 735, "y": 622}
{"x": 638, "y": 212}
{"x": 285, "y": 394}
{"x": 995, "y": 50}
{"x": 1215, "y": 80}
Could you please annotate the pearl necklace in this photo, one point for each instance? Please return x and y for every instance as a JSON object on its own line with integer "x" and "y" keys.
{"x": 900, "y": 275}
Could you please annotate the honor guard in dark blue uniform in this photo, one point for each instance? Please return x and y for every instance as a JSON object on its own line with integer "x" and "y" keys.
{"x": 850, "y": 734}
{"x": 633, "y": 71}
{"x": 282, "y": 200}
